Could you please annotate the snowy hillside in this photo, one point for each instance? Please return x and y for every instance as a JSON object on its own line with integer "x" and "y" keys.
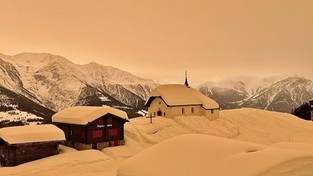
{"x": 17, "y": 117}
{"x": 275, "y": 94}
{"x": 55, "y": 83}
{"x": 284, "y": 138}
{"x": 203, "y": 155}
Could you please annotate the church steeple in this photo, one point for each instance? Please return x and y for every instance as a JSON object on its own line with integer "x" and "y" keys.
{"x": 186, "y": 80}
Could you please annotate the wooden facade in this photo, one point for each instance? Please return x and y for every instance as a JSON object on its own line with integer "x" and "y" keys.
{"x": 105, "y": 131}
{"x": 27, "y": 143}
{"x": 22, "y": 144}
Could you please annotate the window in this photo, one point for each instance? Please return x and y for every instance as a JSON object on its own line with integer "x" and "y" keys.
{"x": 212, "y": 111}
{"x": 159, "y": 103}
{"x": 113, "y": 132}
{"x": 154, "y": 113}
{"x": 191, "y": 110}
{"x": 109, "y": 119}
{"x": 164, "y": 113}
{"x": 183, "y": 111}
{"x": 101, "y": 121}
{"x": 97, "y": 133}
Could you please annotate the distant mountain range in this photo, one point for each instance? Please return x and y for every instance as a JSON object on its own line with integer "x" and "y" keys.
{"x": 281, "y": 95}
{"x": 42, "y": 84}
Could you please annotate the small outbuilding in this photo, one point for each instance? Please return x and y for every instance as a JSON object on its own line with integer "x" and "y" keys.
{"x": 88, "y": 127}
{"x": 22, "y": 144}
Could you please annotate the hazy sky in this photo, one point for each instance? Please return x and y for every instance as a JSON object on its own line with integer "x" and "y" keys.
{"x": 163, "y": 38}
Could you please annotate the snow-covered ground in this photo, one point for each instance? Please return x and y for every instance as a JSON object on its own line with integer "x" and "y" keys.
{"x": 262, "y": 142}
{"x": 20, "y": 116}
{"x": 202, "y": 155}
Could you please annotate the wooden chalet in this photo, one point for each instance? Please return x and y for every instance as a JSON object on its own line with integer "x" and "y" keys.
{"x": 22, "y": 144}
{"x": 88, "y": 127}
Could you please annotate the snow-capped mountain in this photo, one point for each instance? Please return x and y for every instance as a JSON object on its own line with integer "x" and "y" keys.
{"x": 41, "y": 84}
{"x": 278, "y": 95}
{"x": 54, "y": 83}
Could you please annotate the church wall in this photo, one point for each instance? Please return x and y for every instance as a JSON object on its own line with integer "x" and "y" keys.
{"x": 156, "y": 105}
{"x": 212, "y": 114}
{"x": 187, "y": 111}
{"x": 159, "y": 105}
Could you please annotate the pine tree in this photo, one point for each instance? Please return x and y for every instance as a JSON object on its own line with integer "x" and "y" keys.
{"x": 303, "y": 111}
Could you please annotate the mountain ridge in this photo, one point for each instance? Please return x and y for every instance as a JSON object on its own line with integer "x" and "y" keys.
{"x": 281, "y": 95}
{"x": 54, "y": 82}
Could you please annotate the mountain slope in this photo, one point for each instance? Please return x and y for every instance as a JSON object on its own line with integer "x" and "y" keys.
{"x": 282, "y": 95}
{"x": 56, "y": 83}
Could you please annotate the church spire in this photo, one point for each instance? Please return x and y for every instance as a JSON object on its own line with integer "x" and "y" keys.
{"x": 186, "y": 80}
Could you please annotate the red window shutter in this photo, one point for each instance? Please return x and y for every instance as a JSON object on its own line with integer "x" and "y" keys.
{"x": 101, "y": 121}
{"x": 109, "y": 119}
{"x": 100, "y": 133}
{"x": 94, "y": 134}
{"x": 113, "y": 132}
{"x": 110, "y": 132}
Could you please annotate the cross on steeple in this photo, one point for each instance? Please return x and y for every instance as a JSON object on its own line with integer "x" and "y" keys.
{"x": 186, "y": 80}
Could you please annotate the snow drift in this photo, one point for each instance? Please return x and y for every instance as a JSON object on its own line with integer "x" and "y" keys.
{"x": 196, "y": 154}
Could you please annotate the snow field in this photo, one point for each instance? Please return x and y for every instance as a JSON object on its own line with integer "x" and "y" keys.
{"x": 262, "y": 143}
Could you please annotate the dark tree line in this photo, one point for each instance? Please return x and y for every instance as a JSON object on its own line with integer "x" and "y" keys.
{"x": 303, "y": 111}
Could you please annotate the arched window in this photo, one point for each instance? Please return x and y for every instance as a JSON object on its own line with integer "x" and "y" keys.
{"x": 183, "y": 111}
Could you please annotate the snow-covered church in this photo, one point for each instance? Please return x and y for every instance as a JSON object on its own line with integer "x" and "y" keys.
{"x": 172, "y": 100}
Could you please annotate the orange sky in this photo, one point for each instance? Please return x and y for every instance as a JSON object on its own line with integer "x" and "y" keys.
{"x": 163, "y": 38}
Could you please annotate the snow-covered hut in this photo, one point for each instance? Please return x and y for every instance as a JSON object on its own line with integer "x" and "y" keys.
{"x": 172, "y": 100}
{"x": 87, "y": 127}
{"x": 22, "y": 144}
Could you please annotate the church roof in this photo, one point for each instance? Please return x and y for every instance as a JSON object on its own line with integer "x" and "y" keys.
{"x": 180, "y": 95}
{"x": 82, "y": 115}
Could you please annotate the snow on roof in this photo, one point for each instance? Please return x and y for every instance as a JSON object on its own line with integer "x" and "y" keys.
{"x": 82, "y": 115}
{"x": 32, "y": 133}
{"x": 177, "y": 94}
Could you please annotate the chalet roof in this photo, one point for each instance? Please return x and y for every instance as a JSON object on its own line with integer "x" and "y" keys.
{"x": 177, "y": 94}
{"x": 31, "y": 133}
{"x": 82, "y": 115}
